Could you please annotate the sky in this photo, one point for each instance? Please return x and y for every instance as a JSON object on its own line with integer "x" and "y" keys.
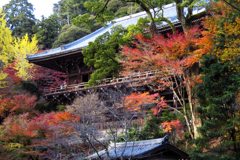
{"x": 42, "y": 7}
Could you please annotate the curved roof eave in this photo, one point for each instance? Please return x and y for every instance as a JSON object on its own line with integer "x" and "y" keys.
{"x": 169, "y": 12}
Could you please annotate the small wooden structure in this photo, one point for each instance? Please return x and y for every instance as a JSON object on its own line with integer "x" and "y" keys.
{"x": 154, "y": 149}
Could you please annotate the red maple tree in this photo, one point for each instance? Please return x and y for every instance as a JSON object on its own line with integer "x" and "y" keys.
{"x": 18, "y": 104}
{"x": 45, "y": 77}
{"x": 177, "y": 57}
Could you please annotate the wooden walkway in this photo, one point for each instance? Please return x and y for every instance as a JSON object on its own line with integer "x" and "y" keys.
{"x": 135, "y": 77}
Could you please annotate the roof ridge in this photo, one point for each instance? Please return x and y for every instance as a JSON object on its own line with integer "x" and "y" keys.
{"x": 66, "y": 46}
{"x": 135, "y": 15}
{"x": 140, "y": 143}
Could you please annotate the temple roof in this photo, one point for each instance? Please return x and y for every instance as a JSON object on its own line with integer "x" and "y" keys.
{"x": 169, "y": 11}
{"x": 136, "y": 149}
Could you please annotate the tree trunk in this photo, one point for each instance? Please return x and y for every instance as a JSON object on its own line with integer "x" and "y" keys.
{"x": 190, "y": 73}
{"x": 185, "y": 21}
{"x": 153, "y": 28}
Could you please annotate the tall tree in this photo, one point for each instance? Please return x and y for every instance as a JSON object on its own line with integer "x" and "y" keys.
{"x": 69, "y": 34}
{"x": 47, "y": 31}
{"x": 219, "y": 99}
{"x": 20, "y": 18}
{"x": 174, "y": 56}
{"x": 65, "y": 10}
{"x": 6, "y": 46}
{"x": 22, "y": 48}
{"x": 218, "y": 92}
{"x": 225, "y": 32}
{"x": 106, "y": 57}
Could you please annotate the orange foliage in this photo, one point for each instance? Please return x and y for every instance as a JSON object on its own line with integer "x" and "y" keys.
{"x": 18, "y": 104}
{"x": 170, "y": 55}
{"x": 55, "y": 118}
{"x": 222, "y": 32}
{"x": 21, "y": 129}
{"x": 60, "y": 122}
{"x": 135, "y": 101}
{"x": 176, "y": 124}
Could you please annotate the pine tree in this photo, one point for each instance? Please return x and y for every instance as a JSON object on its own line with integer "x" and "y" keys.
{"x": 20, "y": 18}
{"x": 219, "y": 100}
{"x": 47, "y": 31}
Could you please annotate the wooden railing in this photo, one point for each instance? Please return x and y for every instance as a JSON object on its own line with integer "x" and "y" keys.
{"x": 107, "y": 81}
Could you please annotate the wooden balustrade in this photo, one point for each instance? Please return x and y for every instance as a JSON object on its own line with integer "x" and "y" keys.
{"x": 107, "y": 81}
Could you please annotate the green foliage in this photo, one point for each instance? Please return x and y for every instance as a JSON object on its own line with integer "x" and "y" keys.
{"x": 66, "y": 10}
{"x": 106, "y": 11}
{"x": 70, "y": 34}
{"x": 95, "y": 8}
{"x": 44, "y": 107}
{"x": 47, "y": 31}
{"x": 22, "y": 25}
{"x": 18, "y": 7}
{"x": 152, "y": 128}
{"x": 103, "y": 54}
{"x": 120, "y": 9}
{"x": 61, "y": 108}
{"x": 219, "y": 111}
{"x": 20, "y": 18}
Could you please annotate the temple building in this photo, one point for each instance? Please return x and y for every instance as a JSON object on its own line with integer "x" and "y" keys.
{"x": 69, "y": 59}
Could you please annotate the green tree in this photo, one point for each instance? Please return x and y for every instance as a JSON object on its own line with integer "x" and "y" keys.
{"x": 106, "y": 47}
{"x": 103, "y": 14}
{"x": 20, "y": 18}
{"x": 106, "y": 52}
{"x": 219, "y": 100}
{"x": 120, "y": 9}
{"x": 47, "y": 31}
{"x": 65, "y": 10}
{"x": 22, "y": 26}
{"x": 69, "y": 34}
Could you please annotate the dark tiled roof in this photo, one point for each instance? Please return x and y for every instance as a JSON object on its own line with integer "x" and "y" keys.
{"x": 130, "y": 149}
